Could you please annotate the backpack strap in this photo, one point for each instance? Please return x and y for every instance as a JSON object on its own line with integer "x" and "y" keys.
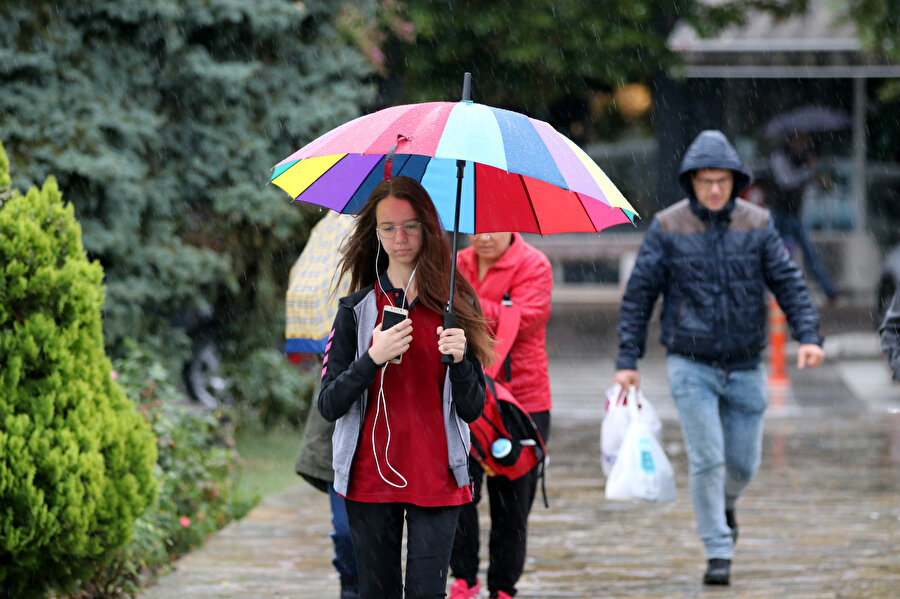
{"x": 543, "y": 476}
{"x": 505, "y": 335}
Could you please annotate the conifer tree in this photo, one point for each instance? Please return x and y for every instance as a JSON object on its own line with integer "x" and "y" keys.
{"x": 161, "y": 120}
{"x": 76, "y": 459}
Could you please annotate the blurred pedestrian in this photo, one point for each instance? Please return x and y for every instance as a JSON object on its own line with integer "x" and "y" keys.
{"x": 310, "y": 305}
{"x": 401, "y": 440}
{"x": 793, "y": 167}
{"x": 514, "y": 282}
{"x": 890, "y": 335}
{"x": 711, "y": 256}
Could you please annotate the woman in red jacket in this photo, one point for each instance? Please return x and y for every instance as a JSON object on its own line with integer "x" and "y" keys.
{"x": 514, "y": 283}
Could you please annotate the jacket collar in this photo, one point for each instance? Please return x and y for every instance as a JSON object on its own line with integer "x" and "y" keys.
{"x": 397, "y": 295}
{"x": 712, "y": 216}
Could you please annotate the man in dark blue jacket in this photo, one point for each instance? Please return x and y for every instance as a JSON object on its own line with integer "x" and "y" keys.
{"x": 712, "y": 256}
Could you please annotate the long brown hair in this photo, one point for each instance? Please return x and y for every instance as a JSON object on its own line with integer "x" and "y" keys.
{"x": 433, "y": 270}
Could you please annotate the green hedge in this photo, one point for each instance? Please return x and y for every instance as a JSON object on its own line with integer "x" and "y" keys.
{"x": 76, "y": 459}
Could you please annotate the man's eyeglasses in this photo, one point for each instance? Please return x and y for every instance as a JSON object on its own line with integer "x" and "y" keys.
{"x": 708, "y": 183}
{"x": 410, "y": 228}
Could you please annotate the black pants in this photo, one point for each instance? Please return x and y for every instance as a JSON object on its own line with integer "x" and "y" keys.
{"x": 510, "y": 504}
{"x": 377, "y": 531}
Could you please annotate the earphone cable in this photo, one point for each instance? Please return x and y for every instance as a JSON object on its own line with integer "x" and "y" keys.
{"x": 381, "y": 400}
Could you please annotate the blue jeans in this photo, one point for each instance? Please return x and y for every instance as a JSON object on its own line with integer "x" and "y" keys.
{"x": 722, "y": 420}
{"x": 344, "y": 557}
{"x": 793, "y": 232}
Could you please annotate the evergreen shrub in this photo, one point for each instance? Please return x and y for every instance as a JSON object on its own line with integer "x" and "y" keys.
{"x": 76, "y": 459}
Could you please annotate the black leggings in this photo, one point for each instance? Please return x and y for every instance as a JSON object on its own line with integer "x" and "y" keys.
{"x": 510, "y": 504}
{"x": 377, "y": 531}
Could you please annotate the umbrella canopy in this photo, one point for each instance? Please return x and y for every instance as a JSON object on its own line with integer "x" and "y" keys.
{"x": 520, "y": 173}
{"x": 807, "y": 119}
{"x": 311, "y": 300}
{"x": 510, "y": 172}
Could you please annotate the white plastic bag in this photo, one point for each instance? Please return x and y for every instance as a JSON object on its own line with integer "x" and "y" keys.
{"x": 641, "y": 469}
{"x": 615, "y": 423}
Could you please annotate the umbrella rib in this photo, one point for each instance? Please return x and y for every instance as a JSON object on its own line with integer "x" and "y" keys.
{"x": 586, "y": 213}
{"x": 364, "y": 179}
{"x": 530, "y": 205}
{"x": 474, "y": 201}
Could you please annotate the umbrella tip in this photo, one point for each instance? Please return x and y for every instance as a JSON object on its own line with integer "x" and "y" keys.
{"x": 467, "y": 87}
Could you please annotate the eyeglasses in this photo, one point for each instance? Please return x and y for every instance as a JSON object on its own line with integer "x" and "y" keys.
{"x": 708, "y": 183}
{"x": 410, "y": 228}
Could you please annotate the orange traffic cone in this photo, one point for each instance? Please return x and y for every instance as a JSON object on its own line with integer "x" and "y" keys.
{"x": 778, "y": 376}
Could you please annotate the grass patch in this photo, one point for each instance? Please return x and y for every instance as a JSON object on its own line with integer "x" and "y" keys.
{"x": 266, "y": 462}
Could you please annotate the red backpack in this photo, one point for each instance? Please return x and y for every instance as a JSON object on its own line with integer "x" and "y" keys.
{"x": 509, "y": 429}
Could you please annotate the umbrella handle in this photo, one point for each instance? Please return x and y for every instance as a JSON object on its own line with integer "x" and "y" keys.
{"x": 449, "y": 323}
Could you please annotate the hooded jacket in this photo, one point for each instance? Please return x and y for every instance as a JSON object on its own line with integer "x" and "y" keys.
{"x": 712, "y": 269}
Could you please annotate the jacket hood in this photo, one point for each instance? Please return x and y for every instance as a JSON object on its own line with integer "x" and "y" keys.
{"x": 711, "y": 149}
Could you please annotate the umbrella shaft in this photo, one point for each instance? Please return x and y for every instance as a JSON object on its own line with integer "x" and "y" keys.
{"x": 460, "y": 168}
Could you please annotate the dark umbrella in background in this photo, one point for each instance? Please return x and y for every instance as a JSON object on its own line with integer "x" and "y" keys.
{"x": 509, "y": 172}
{"x": 807, "y": 119}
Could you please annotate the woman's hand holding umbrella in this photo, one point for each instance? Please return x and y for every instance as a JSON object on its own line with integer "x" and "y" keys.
{"x": 391, "y": 343}
{"x": 452, "y": 342}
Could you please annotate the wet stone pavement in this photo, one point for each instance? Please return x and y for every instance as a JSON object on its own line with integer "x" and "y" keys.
{"x": 821, "y": 519}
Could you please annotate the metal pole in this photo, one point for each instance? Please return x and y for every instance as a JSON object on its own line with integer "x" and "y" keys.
{"x": 859, "y": 155}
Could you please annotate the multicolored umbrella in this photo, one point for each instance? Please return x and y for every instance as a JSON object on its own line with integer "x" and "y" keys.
{"x": 311, "y": 299}
{"x": 509, "y": 172}
{"x": 520, "y": 173}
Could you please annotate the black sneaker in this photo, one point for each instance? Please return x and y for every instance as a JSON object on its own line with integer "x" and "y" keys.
{"x": 731, "y": 521}
{"x": 349, "y": 587}
{"x": 717, "y": 572}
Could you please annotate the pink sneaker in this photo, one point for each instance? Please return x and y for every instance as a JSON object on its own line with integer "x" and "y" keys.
{"x": 502, "y": 595}
{"x": 461, "y": 590}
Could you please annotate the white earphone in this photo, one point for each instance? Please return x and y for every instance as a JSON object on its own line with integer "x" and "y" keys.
{"x": 381, "y": 400}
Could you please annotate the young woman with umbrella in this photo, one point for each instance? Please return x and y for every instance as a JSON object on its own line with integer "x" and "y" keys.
{"x": 401, "y": 435}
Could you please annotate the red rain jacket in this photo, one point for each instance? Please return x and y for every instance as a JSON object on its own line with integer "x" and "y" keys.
{"x": 520, "y": 329}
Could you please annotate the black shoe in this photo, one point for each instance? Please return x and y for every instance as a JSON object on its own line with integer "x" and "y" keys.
{"x": 731, "y": 521}
{"x": 717, "y": 572}
{"x": 349, "y": 587}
